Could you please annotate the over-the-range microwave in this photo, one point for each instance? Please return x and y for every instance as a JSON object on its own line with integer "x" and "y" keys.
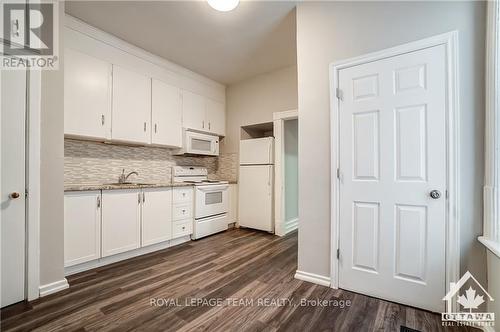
{"x": 199, "y": 143}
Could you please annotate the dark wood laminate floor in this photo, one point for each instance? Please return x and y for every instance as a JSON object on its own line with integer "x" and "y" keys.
{"x": 237, "y": 271}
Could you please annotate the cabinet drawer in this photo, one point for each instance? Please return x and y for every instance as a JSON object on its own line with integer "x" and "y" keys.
{"x": 182, "y": 228}
{"x": 182, "y": 211}
{"x": 182, "y": 195}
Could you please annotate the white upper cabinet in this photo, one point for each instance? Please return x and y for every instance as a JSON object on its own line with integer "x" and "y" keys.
{"x": 193, "y": 111}
{"x": 87, "y": 96}
{"x": 204, "y": 114}
{"x": 166, "y": 114}
{"x": 131, "y": 109}
{"x": 216, "y": 117}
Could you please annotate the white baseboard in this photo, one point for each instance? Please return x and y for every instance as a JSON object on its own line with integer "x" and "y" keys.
{"x": 53, "y": 287}
{"x": 314, "y": 278}
{"x": 291, "y": 225}
{"x": 124, "y": 255}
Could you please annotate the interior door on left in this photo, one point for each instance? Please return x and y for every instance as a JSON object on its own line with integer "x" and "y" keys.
{"x": 12, "y": 186}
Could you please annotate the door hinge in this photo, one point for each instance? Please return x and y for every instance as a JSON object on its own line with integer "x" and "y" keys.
{"x": 26, "y": 193}
{"x": 338, "y": 173}
{"x": 338, "y": 253}
{"x": 446, "y": 194}
{"x": 339, "y": 94}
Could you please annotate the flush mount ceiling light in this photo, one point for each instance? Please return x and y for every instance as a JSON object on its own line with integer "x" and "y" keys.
{"x": 223, "y": 5}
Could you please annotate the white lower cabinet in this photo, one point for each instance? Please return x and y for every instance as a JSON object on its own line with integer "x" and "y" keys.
{"x": 121, "y": 221}
{"x": 82, "y": 227}
{"x": 102, "y": 224}
{"x": 156, "y": 215}
{"x": 182, "y": 212}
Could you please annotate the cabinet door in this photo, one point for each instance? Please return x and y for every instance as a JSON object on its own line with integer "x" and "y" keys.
{"x": 193, "y": 111}
{"x": 156, "y": 216}
{"x": 87, "y": 96}
{"x": 121, "y": 216}
{"x": 82, "y": 227}
{"x": 131, "y": 106}
{"x": 166, "y": 114}
{"x": 216, "y": 117}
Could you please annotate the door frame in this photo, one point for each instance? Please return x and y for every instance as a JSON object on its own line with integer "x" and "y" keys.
{"x": 279, "y": 119}
{"x": 452, "y": 247}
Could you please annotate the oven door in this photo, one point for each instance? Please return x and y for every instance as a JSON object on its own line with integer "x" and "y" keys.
{"x": 201, "y": 144}
{"x": 211, "y": 200}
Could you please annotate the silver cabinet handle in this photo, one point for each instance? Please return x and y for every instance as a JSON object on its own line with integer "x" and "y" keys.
{"x": 98, "y": 202}
{"x": 102, "y": 119}
{"x": 209, "y": 126}
{"x": 143, "y": 197}
{"x": 139, "y": 198}
{"x": 156, "y": 128}
{"x": 203, "y": 124}
{"x": 144, "y": 126}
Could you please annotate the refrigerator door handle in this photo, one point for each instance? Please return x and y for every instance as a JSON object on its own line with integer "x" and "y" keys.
{"x": 269, "y": 179}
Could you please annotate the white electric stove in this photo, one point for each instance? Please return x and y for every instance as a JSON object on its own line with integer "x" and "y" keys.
{"x": 211, "y": 201}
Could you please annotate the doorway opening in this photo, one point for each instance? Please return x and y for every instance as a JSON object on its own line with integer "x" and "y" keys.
{"x": 286, "y": 172}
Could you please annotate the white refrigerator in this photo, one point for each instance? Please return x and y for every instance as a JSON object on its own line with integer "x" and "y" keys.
{"x": 256, "y": 184}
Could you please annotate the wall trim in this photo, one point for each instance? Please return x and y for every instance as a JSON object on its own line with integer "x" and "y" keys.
{"x": 33, "y": 103}
{"x": 279, "y": 118}
{"x": 291, "y": 225}
{"x": 450, "y": 41}
{"x": 54, "y": 287}
{"x": 314, "y": 278}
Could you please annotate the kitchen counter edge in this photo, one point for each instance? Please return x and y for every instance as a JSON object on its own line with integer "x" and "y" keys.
{"x": 95, "y": 187}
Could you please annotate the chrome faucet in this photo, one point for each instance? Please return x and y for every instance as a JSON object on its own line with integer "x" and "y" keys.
{"x": 123, "y": 178}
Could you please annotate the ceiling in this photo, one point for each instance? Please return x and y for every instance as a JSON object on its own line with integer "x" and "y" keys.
{"x": 255, "y": 38}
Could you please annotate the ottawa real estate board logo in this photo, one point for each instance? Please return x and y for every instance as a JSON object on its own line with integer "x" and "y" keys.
{"x": 470, "y": 297}
{"x": 29, "y": 35}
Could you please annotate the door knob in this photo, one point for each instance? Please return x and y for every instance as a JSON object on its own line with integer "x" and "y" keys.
{"x": 435, "y": 194}
{"x": 14, "y": 195}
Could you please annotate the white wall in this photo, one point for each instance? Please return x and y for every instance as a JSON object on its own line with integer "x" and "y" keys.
{"x": 331, "y": 31}
{"x": 255, "y": 100}
{"x": 52, "y": 170}
{"x": 291, "y": 170}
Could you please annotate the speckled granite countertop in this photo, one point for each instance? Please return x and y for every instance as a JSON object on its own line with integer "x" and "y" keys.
{"x": 89, "y": 187}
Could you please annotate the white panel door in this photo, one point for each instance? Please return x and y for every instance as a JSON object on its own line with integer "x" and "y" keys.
{"x": 255, "y": 197}
{"x": 216, "y": 117}
{"x": 193, "y": 111}
{"x": 12, "y": 185}
{"x": 156, "y": 216}
{"x": 392, "y": 156}
{"x": 82, "y": 227}
{"x": 257, "y": 151}
{"x": 87, "y": 96}
{"x": 121, "y": 221}
{"x": 166, "y": 108}
{"x": 131, "y": 109}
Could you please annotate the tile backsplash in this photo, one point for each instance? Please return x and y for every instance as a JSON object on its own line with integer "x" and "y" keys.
{"x": 87, "y": 162}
